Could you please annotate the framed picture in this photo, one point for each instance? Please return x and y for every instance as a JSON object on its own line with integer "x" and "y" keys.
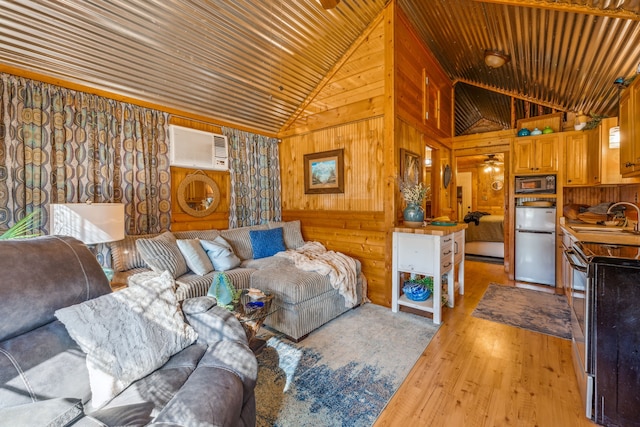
{"x": 410, "y": 167}
{"x": 323, "y": 172}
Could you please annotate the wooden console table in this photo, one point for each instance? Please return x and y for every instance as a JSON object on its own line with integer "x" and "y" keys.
{"x": 429, "y": 251}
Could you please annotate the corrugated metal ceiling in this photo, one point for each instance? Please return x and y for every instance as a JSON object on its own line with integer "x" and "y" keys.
{"x": 252, "y": 63}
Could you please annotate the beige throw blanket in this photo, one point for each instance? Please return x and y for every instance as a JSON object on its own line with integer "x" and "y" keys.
{"x": 340, "y": 268}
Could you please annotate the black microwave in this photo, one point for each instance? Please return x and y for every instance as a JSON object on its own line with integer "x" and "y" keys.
{"x": 531, "y": 184}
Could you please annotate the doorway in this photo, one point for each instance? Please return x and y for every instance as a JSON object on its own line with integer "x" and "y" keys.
{"x": 482, "y": 181}
{"x": 464, "y": 192}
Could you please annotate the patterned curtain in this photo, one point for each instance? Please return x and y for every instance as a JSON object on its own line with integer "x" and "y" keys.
{"x": 62, "y": 146}
{"x": 255, "y": 179}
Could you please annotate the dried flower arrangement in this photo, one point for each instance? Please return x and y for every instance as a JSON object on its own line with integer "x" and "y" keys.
{"x": 414, "y": 193}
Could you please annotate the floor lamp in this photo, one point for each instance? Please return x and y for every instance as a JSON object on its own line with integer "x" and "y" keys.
{"x": 91, "y": 223}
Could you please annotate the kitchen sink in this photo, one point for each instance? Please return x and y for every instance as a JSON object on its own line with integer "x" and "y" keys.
{"x": 601, "y": 229}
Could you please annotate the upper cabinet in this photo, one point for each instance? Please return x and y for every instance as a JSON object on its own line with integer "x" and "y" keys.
{"x": 582, "y": 157}
{"x": 630, "y": 130}
{"x": 535, "y": 154}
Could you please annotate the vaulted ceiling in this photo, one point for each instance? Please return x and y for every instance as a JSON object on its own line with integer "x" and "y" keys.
{"x": 252, "y": 63}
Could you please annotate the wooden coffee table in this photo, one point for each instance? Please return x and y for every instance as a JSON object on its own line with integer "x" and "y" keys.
{"x": 253, "y": 318}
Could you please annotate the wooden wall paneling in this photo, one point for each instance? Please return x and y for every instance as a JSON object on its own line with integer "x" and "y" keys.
{"x": 363, "y": 174}
{"x": 380, "y": 293}
{"x": 219, "y": 219}
{"x": 362, "y": 235}
{"x": 412, "y": 60}
{"x": 355, "y": 90}
{"x": 194, "y": 124}
{"x": 591, "y": 195}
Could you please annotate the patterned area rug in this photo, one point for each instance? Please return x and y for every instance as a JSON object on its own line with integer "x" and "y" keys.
{"x": 526, "y": 309}
{"x": 342, "y": 374}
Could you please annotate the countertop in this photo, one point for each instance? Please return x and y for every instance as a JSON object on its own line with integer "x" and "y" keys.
{"x": 435, "y": 230}
{"x": 600, "y": 233}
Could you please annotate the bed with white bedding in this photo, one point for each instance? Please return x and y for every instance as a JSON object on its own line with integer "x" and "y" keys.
{"x": 486, "y": 238}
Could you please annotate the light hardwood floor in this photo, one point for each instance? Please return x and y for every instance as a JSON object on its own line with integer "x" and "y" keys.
{"x": 480, "y": 373}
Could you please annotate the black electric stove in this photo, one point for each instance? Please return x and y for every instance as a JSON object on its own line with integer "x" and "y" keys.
{"x": 610, "y": 303}
{"x": 594, "y": 253}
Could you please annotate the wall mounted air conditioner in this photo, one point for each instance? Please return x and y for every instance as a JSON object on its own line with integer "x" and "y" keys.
{"x": 192, "y": 148}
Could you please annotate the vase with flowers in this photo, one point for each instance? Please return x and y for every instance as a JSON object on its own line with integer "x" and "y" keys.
{"x": 413, "y": 195}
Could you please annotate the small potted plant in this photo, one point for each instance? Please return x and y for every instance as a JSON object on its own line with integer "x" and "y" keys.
{"x": 26, "y": 228}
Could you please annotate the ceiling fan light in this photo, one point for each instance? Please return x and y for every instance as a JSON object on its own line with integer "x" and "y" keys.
{"x": 495, "y": 59}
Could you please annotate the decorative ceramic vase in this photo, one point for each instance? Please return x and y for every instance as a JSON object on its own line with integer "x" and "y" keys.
{"x": 536, "y": 131}
{"x": 547, "y": 130}
{"x": 221, "y": 289}
{"x": 413, "y": 213}
{"x": 524, "y": 132}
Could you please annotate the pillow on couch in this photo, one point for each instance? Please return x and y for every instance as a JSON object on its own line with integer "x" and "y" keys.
{"x": 161, "y": 253}
{"x": 266, "y": 243}
{"x": 195, "y": 256}
{"x": 291, "y": 233}
{"x": 220, "y": 253}
{"x": 124, "y": 254}
{"x": 127, "y": 334}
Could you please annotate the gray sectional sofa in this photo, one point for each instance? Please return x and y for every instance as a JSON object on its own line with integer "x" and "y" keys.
{"x": 306, "y": 300}
{"x": 58, "y": 317}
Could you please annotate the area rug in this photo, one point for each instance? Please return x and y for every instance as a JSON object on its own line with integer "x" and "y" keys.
{"x": 342, "y": 374}
{"x": 527, "y": 309}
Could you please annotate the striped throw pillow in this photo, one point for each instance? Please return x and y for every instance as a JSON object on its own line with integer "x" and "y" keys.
{"x": 162, "y": 253}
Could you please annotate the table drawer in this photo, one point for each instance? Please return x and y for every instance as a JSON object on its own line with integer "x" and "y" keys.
{"x": 458, "y": 247}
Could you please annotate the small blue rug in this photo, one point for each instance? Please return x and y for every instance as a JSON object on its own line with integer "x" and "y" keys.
{"x": 342, "y": 374}
{"x": 527, "y": 309}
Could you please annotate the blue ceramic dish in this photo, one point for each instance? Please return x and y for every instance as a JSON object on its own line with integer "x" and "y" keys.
{"x": 415, "y": 291}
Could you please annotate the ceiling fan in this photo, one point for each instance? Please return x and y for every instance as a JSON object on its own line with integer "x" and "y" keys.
{"x": 492, "y": 160}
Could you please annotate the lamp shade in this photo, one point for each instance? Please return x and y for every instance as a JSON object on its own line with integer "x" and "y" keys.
{"x": 91, "y": 223}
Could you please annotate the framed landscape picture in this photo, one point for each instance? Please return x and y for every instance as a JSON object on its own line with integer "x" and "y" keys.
{"x": 323, "y": 172}
{"x": 410, "y": 167}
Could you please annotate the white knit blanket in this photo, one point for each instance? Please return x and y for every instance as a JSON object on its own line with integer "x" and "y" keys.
{"x": 340, "y": 268}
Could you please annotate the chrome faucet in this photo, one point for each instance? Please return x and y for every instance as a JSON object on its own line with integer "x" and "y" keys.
{"x": 635, "y": 227}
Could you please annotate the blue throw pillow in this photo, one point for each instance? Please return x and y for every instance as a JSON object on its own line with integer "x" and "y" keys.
{"x": 266, "y": 242}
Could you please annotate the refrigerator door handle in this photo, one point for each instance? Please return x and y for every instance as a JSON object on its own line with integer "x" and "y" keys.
{"x": 534, "y": 231}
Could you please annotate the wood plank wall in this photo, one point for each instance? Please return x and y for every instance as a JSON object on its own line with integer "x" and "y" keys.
{"x": 371, "y": 106}
{"x": 415, "y": 63}
{"x": 484, "y": 198}
{"x": 362, "y": 143}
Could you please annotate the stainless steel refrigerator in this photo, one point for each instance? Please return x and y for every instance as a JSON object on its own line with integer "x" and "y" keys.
{"x": 535, "y": 245}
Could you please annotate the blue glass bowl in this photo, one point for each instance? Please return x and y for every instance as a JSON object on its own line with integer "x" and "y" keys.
{"x": 415, "y": 291}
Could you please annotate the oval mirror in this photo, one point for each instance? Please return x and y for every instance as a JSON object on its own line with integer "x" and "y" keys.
{"x": 198, "y": 195}
{"x": 496, "y": 185}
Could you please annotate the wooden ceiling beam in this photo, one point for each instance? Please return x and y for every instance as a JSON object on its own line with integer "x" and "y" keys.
{"x": 567, "y": 7}
{"x": 509, "y": 93}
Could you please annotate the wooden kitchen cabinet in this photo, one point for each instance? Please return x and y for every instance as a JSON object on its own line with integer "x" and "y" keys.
{"x": 610, "y": 157}
{"x": 582, "y": 158}
{"x": 535, "y": 154}
{"x": 630, "y": 130}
